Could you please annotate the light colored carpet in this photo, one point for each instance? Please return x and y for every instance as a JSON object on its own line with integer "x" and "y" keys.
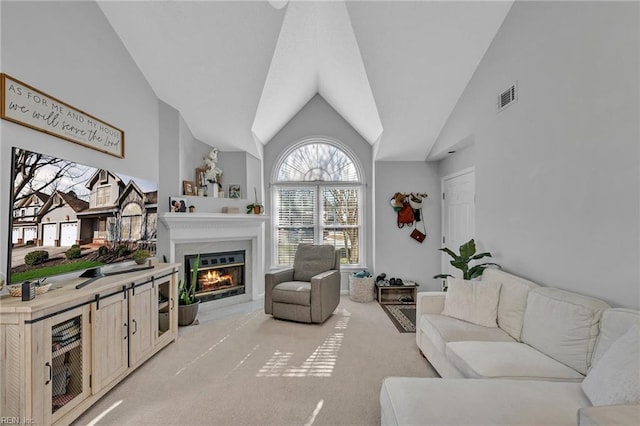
{"x": 251, "y": 369}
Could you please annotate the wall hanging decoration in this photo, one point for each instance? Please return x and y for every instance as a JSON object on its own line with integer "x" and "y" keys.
{"x": 408, "y": 208}
{"x": 26, "y": 105}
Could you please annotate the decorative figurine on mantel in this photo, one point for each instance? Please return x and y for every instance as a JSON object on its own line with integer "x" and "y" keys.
{"x": 213, "y": 174}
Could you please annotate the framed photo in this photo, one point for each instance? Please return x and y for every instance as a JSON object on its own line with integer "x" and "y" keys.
{"x": 234, "y": 191}
{"x": 189, "y": 187}
{"x": 177, "y": 205}
{"x": 200, "y": 179}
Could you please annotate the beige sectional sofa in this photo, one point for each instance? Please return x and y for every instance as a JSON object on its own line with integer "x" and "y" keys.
{"x": 527, "y": 368}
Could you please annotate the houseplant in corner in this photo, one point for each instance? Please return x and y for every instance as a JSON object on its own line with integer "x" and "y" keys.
{"x": 461, "y": 261}
{"x": 187, "y": 302}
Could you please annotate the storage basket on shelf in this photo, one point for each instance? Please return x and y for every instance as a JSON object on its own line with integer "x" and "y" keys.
{"x": 361, "y": 289}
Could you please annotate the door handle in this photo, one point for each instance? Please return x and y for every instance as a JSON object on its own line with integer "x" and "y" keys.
{"x": 135, "y": 326}
{"x": 126, "y": 332}
{"x": 50, "y": 373}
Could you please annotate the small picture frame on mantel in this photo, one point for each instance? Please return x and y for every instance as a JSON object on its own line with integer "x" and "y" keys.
{"x": 189, "y": 188}
{"x": 234, "y": 191}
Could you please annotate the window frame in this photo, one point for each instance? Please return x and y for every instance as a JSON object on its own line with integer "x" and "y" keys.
{"x": 318, "y": 186}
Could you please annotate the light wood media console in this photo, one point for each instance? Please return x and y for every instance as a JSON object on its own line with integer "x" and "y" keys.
{"x": 63, "y": 350}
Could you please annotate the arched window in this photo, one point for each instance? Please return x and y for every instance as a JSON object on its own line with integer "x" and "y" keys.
{"x": 317, "y": 198}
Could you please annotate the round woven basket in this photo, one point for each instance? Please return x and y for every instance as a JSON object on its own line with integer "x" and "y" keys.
{"x": 361, "y": 289}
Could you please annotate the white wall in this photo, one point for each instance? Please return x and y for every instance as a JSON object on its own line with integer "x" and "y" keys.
{"x": 317, "y": 118}
{"x": 557, "y": 172}
{"x": 69, "y": 51}
{"x": 396, "y": 253}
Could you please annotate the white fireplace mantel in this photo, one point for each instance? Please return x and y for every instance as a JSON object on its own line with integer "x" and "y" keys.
{"x": 183, "y": 228}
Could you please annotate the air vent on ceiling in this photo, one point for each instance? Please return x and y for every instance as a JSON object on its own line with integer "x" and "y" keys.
{"x": 508, "y": 97}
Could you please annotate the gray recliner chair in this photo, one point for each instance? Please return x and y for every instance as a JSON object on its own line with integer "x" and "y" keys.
{"x": 308, "y": 292}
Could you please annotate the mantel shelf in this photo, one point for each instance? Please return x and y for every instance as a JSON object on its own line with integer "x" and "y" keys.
{"x": 240, "y": 218}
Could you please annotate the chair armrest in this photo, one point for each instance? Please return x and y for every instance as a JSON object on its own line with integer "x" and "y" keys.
{"x": 430, "y": 302}
{"x": 325, "y": 288}
{"x": 323, "y": 275}
{"x": 271, "y": 279}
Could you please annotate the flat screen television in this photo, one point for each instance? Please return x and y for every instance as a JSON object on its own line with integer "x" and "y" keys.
{"x": 67, "y": 217}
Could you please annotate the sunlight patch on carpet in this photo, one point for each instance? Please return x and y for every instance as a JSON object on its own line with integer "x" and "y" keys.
{"x": 103, "y": 414}
{"x": 320, "y": 363}
{"x": 238, "y": 365}
{"x": 315, "y": 413}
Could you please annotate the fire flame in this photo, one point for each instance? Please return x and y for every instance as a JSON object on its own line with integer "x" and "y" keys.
{"x": 214, "y": 279}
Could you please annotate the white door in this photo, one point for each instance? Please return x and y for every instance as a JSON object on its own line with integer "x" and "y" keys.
{"x": 458, "y": 214}
{"x": 29, "y": 234}
{"x": 68, "y": 234}
{"x": 15, "y": 235}
{"x": 49, "y": 234}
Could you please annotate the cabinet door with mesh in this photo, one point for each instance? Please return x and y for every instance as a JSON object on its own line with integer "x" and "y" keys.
{"x": 66, "y": 362}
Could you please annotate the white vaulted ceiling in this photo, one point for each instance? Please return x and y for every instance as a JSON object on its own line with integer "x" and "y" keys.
{"x": 239, "y": 71}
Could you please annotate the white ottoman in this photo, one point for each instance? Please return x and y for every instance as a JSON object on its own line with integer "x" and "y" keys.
{"x": 361, "y": 289}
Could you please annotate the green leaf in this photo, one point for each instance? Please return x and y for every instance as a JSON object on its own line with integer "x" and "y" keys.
{"x": 468, "y": 249}
{"x": 449, "y": 252}
{"x": 460, "y": 264}
{"x": 476, "y": 271}
{"x": 481, "y": 255}
{"x": 441, "y": 276}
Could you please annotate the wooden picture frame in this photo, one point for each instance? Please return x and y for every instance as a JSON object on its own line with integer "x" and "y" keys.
{"x": 234, "y": 191}
{"x": 32, "y": 108}
{"x": 200, "y": 177}
{"x": 188, "y": 187}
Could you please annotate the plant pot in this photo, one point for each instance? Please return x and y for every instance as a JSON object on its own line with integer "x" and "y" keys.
{"x": 187, "y": 313}
{"x": 141, "y": 261}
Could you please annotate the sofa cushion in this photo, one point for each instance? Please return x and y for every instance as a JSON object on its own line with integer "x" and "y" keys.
{"x": 563, "y": 325}
{"x": 614, "y": 323}
{"x": 513, "y": 299}
{"x": 473, "y": 301}
{"x": 434, "y": 401}
{"x": 442, "y": 329}
{"x": 311, "y": 260}
{"x": 488, "y": 360}
{"x": 293, "y": 292}
{"x": 609, "y": 415}
{"x": 615, "y": 379}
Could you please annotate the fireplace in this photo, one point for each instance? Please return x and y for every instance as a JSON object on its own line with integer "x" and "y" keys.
{"x": 220, "y": 274}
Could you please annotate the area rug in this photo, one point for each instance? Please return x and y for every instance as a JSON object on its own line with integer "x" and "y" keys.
{"x": 402, "y": 316}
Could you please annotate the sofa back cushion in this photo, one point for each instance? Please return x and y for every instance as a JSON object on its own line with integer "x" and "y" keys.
{"x": 614, "y": 323}
{"x": 472, "y": 301}
{"x": 562, "y": 325}
{"x": 615, "y": 378}
{"x": 513, "y": 299}
{"x": 312, "y": 260}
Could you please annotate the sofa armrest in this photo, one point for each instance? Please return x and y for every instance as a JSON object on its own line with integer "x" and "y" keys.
{"x": 430, "y": 302}
{"x": 271, "y": 279}
{"x": 628, "y": 414}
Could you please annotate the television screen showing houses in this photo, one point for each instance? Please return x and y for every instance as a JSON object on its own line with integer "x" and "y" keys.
{"x": 68, "y": 217}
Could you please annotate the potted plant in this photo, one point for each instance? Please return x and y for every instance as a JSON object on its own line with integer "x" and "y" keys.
{"x": 187, "y": 302}
{"x": 255, "y": 208}
{"x": 461, "y": 261}
{"x": 141, "y": 256}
